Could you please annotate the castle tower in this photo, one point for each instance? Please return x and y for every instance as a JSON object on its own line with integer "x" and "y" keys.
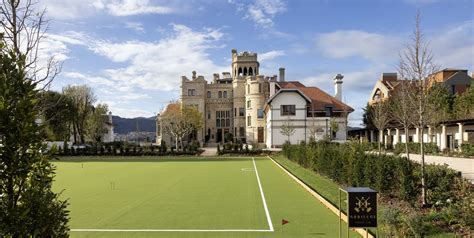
{"x": 256, "y": 94}
{"x": 244, "y": 64}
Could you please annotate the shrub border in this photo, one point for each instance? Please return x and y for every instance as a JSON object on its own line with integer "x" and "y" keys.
{"x": 321, "y": 199}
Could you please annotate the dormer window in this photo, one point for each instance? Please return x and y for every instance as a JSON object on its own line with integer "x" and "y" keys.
{"x": 328, "y": 111}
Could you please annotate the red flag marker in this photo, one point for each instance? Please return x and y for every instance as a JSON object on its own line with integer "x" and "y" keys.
{"x": 283, "y": 222}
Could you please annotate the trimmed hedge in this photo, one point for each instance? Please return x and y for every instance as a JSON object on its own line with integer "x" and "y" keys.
{"x": 467, "y": 149}
{"x": 430, "y": 148}
{"x": 394, "y": 176}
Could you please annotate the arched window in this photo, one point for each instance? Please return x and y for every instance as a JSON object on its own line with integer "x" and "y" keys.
{"x": 227, "y": 122}
{"x": 218, "y": 123}
{"x": 222, "y": 122}
{"x": 240, "y": 71}
{"x": 225, "y": 94}
{"x": 208, "y": 94}
{"x": 250, "y": 71}
{"x": 245, "y": 71}
{"x": 220, "y": 94}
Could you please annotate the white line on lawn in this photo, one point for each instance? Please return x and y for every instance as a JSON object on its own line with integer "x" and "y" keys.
{"x": 270, "y": 224}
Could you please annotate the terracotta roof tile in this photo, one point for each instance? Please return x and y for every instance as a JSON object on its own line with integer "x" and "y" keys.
{"x": 320, "y": 99}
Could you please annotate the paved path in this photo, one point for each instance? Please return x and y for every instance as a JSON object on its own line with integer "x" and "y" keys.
{"x": 465, "y": 166}
{"x": 209, "y": 151}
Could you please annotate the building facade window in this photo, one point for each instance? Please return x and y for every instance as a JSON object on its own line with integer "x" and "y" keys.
{"x": 219, "y": 94}
{"x": 218, "y": 123}
{"x": 328, "y": 111}
{"x": 227, "y": 122}
{"x": 248, "y": 88}
{"x": 249, "y": 121}
{"x": 288, "y": 110}
{"x": 235, "y": 112}
{"x": 208, "y": 94}
{"x": 259, "y": 87}
{"x": 225, "y": 94}
{"x": 241, "y": 111}
{"x": 249, "y": 104}
{"x": 260, "y": 113}
{"x": 208, "y": 114}
{"x": 242, "y": 132}
{"x": 191, "y": 92}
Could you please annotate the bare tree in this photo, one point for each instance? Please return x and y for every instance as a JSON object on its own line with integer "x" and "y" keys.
{"x": 24, "y": 29}
{"x": 380, "y": 118}
{"x": 401, "y": 108}
{"x": 416, "y": 63}
{"x": 287, "y": 129}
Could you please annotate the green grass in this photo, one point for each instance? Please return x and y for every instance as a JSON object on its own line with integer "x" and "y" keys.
{"x": 187, "y": 193}
{"x": 326, "y": 187}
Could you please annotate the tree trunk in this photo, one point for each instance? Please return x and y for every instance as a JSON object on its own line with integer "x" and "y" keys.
{"x": 407, "y": 151}
{"x": 176, "y": 143}
{"x": 423, "y": 182}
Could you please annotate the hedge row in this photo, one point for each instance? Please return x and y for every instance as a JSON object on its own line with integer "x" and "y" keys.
{"x": 125, "y": 150}
{"x": 430, "y": 148}
{"x": 395, "y": 176}
{"x": 467, "y": 149}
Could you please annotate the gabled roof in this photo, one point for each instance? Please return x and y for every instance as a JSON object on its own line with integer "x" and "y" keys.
{"x": 317, "y": 98}
{"x": 290, "y": 84}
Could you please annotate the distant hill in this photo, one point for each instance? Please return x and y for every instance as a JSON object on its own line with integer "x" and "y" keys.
{"x": 126, "y": 125}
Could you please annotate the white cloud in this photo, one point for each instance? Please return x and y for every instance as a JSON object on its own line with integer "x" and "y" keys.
{"x": 133, "y": 7}
{"x": 270, "y": 55}
{"x": 74, "y": 9}
{"x": 261, "y": 12}
{"x": 155, "y": 65}
{"x": 347, "y": 43}
{"x": 136, "y": 26}
{"x": 454, "y": 47}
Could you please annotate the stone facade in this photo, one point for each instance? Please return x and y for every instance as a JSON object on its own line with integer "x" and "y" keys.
{"x": 233, "y": 102}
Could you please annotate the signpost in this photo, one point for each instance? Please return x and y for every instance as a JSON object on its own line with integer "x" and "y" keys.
{"x": 361, "y": 208}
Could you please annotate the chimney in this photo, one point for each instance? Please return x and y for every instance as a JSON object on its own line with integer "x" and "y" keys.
{"x": 338, "y": 86}
{"x": 282, "y": 74}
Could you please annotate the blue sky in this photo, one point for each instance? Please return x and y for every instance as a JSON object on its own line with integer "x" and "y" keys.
{"x": 133, "y": 52}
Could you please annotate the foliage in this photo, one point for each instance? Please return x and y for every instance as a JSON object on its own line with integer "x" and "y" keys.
{"x": 96, "y": 122}
{"x": 334, "y": 127}
{"x": 28, "y": 207}
{"x": 180, "y": 122}
{"x": 414, "y": 148}
{"x": 57, "y": 115}
{"x": 467, "y": 149}
{"x": 463, "y": 105}
{"x": 82, "y": 99}
{"x": 396, "y": 178}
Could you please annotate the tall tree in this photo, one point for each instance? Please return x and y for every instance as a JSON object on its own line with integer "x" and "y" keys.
{"x": 463, "y": 105}
{"x": 28, "y": 206}
{"x": 416, "y": 63}
{"x": 82, "y": 98}
{"x": 97, "y": 122}
{"x": 380, "y": 118}
{"x": 180, "y": 122}
{"x": 401, "y": 108}
{"x": 57, "y": 115}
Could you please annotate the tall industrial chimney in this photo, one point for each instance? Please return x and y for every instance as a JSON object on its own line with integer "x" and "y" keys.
{"x": 338, "y": 86}
{"x": 282, "y": 74}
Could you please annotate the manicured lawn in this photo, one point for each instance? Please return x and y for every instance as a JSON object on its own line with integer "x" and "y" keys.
{"x": 151, "y": 193}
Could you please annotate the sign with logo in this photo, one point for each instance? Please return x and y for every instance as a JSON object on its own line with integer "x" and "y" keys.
{"x": 362, "y": 207}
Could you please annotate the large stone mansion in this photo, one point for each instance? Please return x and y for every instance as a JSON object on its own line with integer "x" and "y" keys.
{"x": 253, "y": 107}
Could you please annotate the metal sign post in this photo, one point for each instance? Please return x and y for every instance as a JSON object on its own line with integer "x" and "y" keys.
{"x": 361, "y": 208}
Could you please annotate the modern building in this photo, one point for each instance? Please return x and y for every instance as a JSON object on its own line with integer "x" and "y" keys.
{"x": 245, "y": 103}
